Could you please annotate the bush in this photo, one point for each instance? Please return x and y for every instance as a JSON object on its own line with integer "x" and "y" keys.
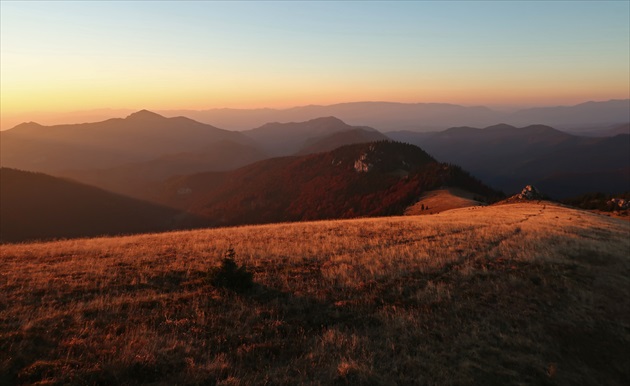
{"x": 229, "y": 275}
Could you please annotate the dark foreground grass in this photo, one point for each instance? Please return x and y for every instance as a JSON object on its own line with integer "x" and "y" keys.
{"x": 521, "y": 299}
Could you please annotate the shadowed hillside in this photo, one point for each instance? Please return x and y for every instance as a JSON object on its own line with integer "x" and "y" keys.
{"x": 335, "y": 140}
{"x": 508, "y": 158}
{"x": 141, "y": 136}
{"x": 143, "y": 179}
{"x": 38, "y": 206}
{"x": 606, "y": 131}
{"x": 533, "y": 294}
{"x": 281, "y": 139}
{"x": 586, "y": 114}
{"x": 375, "y": 179}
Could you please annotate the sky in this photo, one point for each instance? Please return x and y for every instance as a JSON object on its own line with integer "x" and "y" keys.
{"x": 79, "y": 55}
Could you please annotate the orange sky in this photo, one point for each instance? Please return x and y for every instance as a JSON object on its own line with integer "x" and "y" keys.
{"x": 59, "y": 58}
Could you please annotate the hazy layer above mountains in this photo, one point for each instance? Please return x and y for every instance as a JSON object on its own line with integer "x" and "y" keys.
{"x": 388, "y": 116}
{"x": 384, "y": 116}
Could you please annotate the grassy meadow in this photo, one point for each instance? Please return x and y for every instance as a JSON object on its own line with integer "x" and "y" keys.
{"x": 500, "y": 295}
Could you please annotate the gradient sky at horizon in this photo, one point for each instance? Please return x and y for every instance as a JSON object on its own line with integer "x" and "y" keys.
{"x": 71, "y": 56}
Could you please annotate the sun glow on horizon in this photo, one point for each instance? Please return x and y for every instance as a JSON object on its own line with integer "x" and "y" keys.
{"x": 74, "y": 56}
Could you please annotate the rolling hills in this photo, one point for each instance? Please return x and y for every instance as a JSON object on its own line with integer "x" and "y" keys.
{"x": 391, "y": 116}
{"x": 609, "y": 131}
{"x": 143, "y": 179}
{"x": 280, "y": 139}
{"x": 373, "y": 179}
{"x": 141, "y": 136}
{"x": 380, "y": 115}
{"x": 384, "y": 116}
{"x": 511, "y": 294}
{"x": 38, "y": 206}
{"x": 341, "y": 138}
{"x": 587, "y": 114}
{"x": 133, "y": 156}
{"x": 507, "y": 157}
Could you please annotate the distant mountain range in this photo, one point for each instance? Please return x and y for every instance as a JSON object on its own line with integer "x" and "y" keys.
{"x": 142, "y": 179}
{"x": 280, "y": 139}
{"x": 610, "y": 131}
{"x": 37, "y": 206}
{"x": 383, "y": 116}
{"x": 507, "y": 157}
{"x": 337, "y": 139}
{"x": 139, "y": 137}
{"x": 185, "y": 147}
{"x": 587, "y": 114}
{"x": 135, "y": 155}
{"x": 390, "y": 116}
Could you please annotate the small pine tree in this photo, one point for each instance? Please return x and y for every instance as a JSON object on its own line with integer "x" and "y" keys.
{"x": 229, "y": 275}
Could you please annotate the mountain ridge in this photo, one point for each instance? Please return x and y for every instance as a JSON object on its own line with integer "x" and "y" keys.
{"x": 138, "y": 137}
{"x": 396, "y": 116}
{"x": 590, "y": 114}
{"x": 372, "y": 179}
{"x": 509, "y": 157}
{"x": 281, "y": 139}
{"x": 36, "y": 206}
{"x": 341, "y": 138}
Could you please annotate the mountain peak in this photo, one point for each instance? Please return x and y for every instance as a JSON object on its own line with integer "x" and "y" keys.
{"x": 27, "y": 126}
{"x": 529, "y": 193}
{"x": 500, "y": 126}
{"x": 540, "y": 128}
{"x": 385, "y": 156}
{"x": 144, "y": 115}
{"x": 329, "y": 119}
{"x": 318, "y": 122}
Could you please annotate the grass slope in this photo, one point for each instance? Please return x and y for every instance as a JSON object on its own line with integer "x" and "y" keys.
{"x": 437, "y": 201}
{"x": 505, "y": 295}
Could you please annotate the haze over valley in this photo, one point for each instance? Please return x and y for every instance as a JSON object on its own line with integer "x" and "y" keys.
{"x": 504, "y": 157}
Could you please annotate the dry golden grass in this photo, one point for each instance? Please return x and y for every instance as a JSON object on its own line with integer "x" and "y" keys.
{"x": 442, "y": 199}
{"x": 513, "y": 294}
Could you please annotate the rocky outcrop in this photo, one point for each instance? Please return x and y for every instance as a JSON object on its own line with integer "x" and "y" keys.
{"x": 530, "y": 193}
{"x": 376, "y": 157}
{"x": 619, "y": 203}
{"x": 361, "y": 165}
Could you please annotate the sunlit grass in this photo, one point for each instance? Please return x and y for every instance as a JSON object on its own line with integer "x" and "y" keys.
{"x": 514, "y": 294}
